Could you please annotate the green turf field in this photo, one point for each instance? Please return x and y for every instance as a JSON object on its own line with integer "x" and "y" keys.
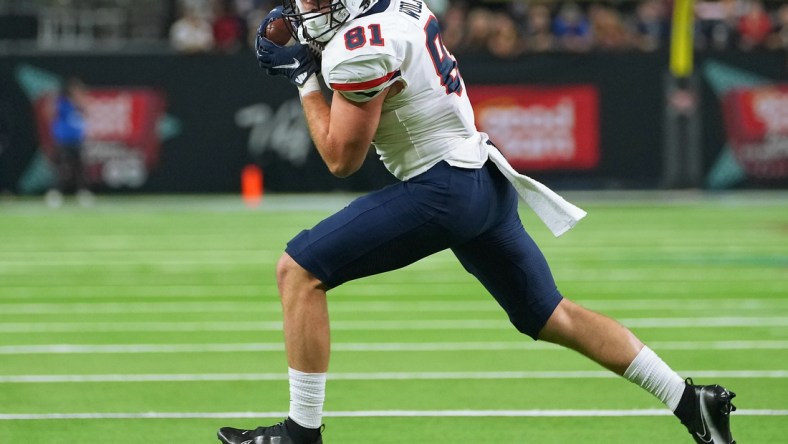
{"x": 156, "y": 320}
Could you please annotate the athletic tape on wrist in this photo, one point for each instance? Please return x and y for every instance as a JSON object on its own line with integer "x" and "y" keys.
{"x": 311, "y": 85}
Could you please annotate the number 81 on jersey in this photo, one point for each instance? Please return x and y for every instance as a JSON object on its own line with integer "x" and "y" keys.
{"x": 445, "y": 64}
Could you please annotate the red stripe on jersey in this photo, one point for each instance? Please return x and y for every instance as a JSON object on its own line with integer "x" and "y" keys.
{"x": 362, "y": 86}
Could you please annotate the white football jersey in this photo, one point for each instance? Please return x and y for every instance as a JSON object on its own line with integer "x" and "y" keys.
{"x": 431, "y": 118}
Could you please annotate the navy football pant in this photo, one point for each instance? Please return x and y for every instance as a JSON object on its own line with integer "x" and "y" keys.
{"x": 471, "y": 211}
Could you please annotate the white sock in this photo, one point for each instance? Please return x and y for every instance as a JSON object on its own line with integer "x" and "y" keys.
{"x": 307, "y": 394}
{"x": 650, "y": 372}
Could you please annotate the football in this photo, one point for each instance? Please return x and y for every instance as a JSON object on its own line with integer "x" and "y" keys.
{"x": 278, "y": 31}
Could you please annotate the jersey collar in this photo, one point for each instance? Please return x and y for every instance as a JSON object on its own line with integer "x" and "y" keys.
{"x": 380, "y": 6}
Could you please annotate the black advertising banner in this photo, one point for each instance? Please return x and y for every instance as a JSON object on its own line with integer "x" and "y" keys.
{"x": 169, "y": 123}
{"x": 165, "y": 123}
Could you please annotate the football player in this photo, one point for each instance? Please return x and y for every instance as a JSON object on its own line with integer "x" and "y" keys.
{"x": 396, "y": 87}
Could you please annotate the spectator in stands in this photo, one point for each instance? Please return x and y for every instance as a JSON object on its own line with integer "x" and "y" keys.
{"x": 779, "y": 36}
{"x": 572, "y": 29}
{"x": 754, "y": 26}
{"x": 504, "y": 41}
{"x": 255, "y": 15}
{"x": 479, "y": 27}
{"x": 539, "y": 36}
{"x": 253, "y": 19}
{"x": 712, "y": 27}
{"x": 191, "y": 33}
{"x": 453, "y": 27}
{"x": 651, "y": 25}
{"x": 608, "y": 28}
{"x": 229, "y": 29}
{"x": 68, "y": 133}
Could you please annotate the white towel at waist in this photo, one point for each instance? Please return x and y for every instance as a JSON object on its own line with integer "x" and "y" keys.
{"x": 558, "y": 214}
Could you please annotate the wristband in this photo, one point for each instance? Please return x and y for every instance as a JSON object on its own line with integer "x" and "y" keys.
{"x": 311, "y": 85}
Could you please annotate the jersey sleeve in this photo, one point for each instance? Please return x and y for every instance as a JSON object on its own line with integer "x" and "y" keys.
{"x": 363, "y": 74}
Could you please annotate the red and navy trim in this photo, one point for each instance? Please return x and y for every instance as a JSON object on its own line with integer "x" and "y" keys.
{"x": 363, "y": 86}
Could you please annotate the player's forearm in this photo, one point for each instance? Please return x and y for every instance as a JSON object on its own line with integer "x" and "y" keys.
{"x": 318, "y": 117}
{"x": 342, "y": 155}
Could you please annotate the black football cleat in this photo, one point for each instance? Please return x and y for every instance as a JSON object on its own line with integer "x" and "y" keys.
{"x": 711, "y": 420}
{"x": 275, "y": 434}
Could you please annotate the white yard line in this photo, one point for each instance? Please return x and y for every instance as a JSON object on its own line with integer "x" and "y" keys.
{"x": 374, "y": 414}
{"x": 378, "y": 306}
{"x": 371, "y": 325}
{"x": 360, "y": 292}
{"x": 363, "y": 347}
{"x": 384, "y": 376}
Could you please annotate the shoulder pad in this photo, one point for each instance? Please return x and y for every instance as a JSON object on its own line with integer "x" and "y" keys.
{"x": 358, "y": 68}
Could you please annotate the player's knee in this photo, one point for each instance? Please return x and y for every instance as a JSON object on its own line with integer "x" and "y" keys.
{"x": 567, "y": 322}
{"x": 285, "y": 269}
{"x": 571, "y": 312}
{"x": 564, "y": 315}
{"x": 290, "y": 275}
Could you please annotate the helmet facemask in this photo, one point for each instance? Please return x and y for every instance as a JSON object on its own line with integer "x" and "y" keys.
{"x": 318, "y": 25}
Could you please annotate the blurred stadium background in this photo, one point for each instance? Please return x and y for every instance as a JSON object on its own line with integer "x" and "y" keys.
{"x": 153, "y": 313}
{"x": 579, "y": 94}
